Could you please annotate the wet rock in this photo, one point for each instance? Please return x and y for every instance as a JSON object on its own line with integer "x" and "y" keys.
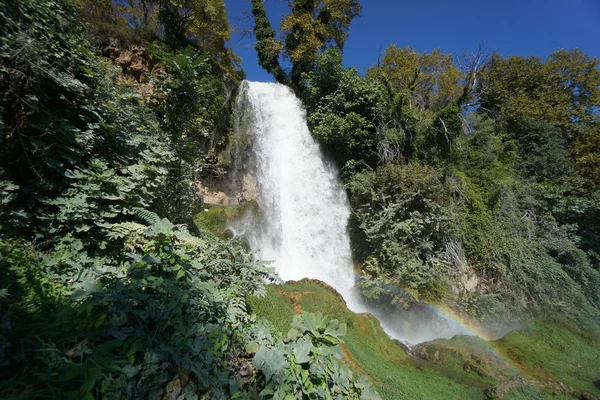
{"x": 402, "y": 345}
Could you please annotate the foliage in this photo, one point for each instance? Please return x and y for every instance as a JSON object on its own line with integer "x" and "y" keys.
{"x": 541, "y": 267}
{"x": 267, "y": 47}
{"x": 426, "y": 81}
{"x": 75, "y": 150}
{"x": 422, "y": 92}
{"x": 484, "y": 166}
{"x": 201, "y": 23}
{"x": 100, "y": 295}
{"x": 563, "y": 90}
{"x": 542, "y": 148}
{"x": 488, "y": 159}
{"x": 189, "y": 103}
{"x": 313, "y": 26}
{"x": 45, "y": 76}
{"x": 507, "y": 234}
{"x": 343, "y": 108}
{"x": 305, "y": 366}
{"x": 586, "y": 160}
{"x": 166, "y": 303}
{"x": 310, "y": 28}
{"x": 405, "y": 214}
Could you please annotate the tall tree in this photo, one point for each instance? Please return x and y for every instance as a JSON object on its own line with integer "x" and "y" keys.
{"x": 418, "y": 80}
{"x": 267, "y": 47}
{"x": 422, "y": 90}
{"x": 311, "y": 27}
{"x": 564, "y": 90}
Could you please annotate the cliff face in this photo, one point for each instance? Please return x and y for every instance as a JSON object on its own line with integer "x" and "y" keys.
{"x": 222, "y": 190}
{"x": 133, "y": 59}
{"x": 138, "y": 68}
{"x": 136, "y": 64}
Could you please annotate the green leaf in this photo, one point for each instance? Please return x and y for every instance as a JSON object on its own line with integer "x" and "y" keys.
{"x": 252, "y": 347}
{"x": 269, "y": 361}
{"x": 130, "y": 371}
{"x": 301, "y": 350}
{"x": 151, "y": 259}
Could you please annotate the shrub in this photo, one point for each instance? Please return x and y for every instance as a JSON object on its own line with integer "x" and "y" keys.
{"x": 406, "y": 214}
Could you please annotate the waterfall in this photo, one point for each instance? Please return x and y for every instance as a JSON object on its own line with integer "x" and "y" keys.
{"x": 304, "y": 209}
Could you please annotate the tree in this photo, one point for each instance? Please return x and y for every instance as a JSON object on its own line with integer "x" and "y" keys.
{"x": 204, "y": 21}
{"x": 180, "y": 23}
{"x": 405, "y": 215}
{"x": 542, "y": 148}
{"x": 586, "y": 160}
{"x": 422, "y": 91}
{"x": 311, "y": 27}
{"x": 418, "y": 80}
{"x": 564, "y": 90}
{"x": 343, "y": 109}
{"x": 267, "y": 47}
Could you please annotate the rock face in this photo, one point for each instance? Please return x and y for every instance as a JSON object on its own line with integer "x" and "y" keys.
{"x": 133, "y": 59}
{"x": 211, "y": 196}
{"x": 476, "y": 358}
{"x": 469, "y": 353}
{"x": 223, "y": 192}
{"x": 249, "y": 187}
{"x": 135, "y": 63}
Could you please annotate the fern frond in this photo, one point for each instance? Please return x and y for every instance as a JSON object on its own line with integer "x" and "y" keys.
{"x": 125, "y": 229}
{"x": 190, "y": 239}
{"x": 145, "y": 215}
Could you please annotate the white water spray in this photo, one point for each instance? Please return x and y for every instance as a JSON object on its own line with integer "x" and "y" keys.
{"x": 304, "y": 209}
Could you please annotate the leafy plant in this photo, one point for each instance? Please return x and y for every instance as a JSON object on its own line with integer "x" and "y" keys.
{"x": 343, "y": 111}
{"x": 305, "y": 366}
{"x": 405, "y": 213}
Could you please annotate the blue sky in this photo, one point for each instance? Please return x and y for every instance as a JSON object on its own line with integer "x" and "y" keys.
{"x": 511, "y": 27}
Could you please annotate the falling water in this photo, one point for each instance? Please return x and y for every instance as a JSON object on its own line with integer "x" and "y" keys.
{"x": 304, "y": 209}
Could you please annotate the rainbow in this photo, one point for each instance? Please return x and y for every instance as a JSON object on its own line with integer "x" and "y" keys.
{"x": 458, "y": 324}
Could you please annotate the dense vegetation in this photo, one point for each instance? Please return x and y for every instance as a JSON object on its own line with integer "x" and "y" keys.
{"x": 473, "y": 182}
{"x": 540, "y": 361}
{"x": 473, "y": 179}
{"x": 104, "y": 292}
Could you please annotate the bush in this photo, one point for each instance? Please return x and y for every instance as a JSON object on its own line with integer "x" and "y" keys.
{"x": 343, "y": 108}
{"x": 406, "y": 215}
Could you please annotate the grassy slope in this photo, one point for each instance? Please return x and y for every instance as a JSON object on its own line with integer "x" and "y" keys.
{"x": 548, "y": 352}
{"x": 368, "y": 349}
{"x": 216, "y": 217}
{"x": 544, "y": 361}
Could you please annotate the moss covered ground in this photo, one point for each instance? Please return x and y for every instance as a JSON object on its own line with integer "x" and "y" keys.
{"x": 215, "y": 217}
{"x": 542, "y": 361}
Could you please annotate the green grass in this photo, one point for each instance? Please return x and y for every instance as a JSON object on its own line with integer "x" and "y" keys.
{"x": 369, "y": 351}
{"x": 518, "y": 366}
{"x": 549, "y": 352}
{"x": 216, "y": 218}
